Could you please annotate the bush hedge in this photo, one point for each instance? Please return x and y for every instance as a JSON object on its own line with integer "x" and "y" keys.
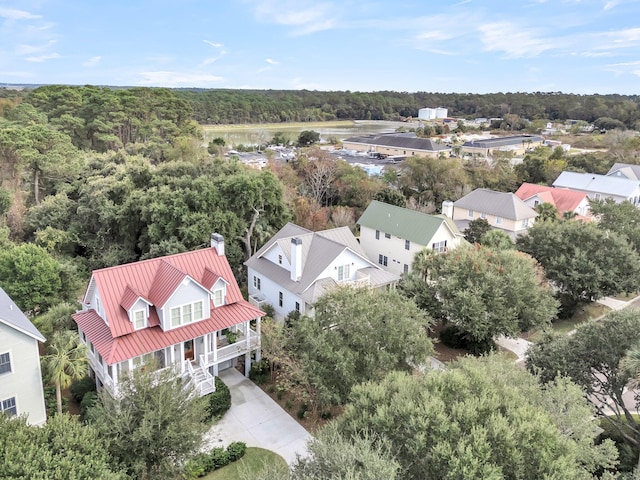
{"x": 219, "y": 401}
{"x": 218, "y": 457}
{"x": 79, "y": 388}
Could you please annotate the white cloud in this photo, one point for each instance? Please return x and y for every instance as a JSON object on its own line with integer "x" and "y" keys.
{"x": 25, "y": 49}
{"x": 435, "y": 35}
{"x": 514, "y": 40}
{"x": 13, "y": 14}
{"x": 610, "y": 4}
{"x": 43, "y": 57}
{"x": 213, "y": 44}
{"x": 304, "y": 16}
{"x": 270, "y": 61}
{"x": 92, "y": 62}
{"x": 178, "y": 79}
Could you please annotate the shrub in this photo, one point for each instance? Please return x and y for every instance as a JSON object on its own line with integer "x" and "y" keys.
{"x": 50, "y": 402}
{"x": 81, "y": 387}
{"x": 88, "y": 401}
{"x": 302, "y": 411}
{"x": 259, "y": 372}
{"x": 219, "y": 457}
{"x": 198, "y": 466}
{"x": 454, "y": 337}
{"x": 268, "y": 309}
{"x": 236, "y": 450}
{"x": 219, "y": 401}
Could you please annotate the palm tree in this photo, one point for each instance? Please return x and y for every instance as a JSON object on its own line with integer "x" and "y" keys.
{"x": 67, "y": 361}
{"x": 630, "y": 364}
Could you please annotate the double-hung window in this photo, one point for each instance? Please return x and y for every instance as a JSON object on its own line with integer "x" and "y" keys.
{"x": 139, "y": 319}
{"x": 440, "y": 247}
{"x": 377, "y": 234}
{"x": 217, "y": 297}
{"x": 407, "y": 245}
{"x": 383, "y": 260}
{"x": 5, "y": 363}
{"x": 175, "y": 316}
{"x": 8, "y": 406}
{"x": 280, "y": 299}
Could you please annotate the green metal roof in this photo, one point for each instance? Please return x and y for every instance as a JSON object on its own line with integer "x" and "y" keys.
{"x": 411, "y": 225}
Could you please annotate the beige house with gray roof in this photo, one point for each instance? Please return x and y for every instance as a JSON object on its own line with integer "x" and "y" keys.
{"x": 297, "y": 266}
{"x": 504, "y": 211}
{"x": 392, "y": 235}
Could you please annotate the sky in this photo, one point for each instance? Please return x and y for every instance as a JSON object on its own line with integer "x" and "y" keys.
{"x": 460, "y": 46}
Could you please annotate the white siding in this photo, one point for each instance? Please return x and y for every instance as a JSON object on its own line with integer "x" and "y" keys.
{"x": 25, "y": 380}
{"x": 187, "y": 292}
{"x": 346, "y": 258}
{"x": 269, "y": 290}
{"x": 394, "y": 248}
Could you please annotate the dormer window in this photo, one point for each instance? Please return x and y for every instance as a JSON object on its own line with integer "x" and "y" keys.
{"x": 343, "y": 273}
{"x": 187, "y": 313}
{"x": 218, "y": 297}
{"x": 139, "y": 319}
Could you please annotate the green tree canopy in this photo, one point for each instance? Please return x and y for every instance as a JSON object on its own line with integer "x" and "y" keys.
{"x": 483, "y": 292}
{"x": 591, "y": 358}
{"x": 583, "y": 261}
{"x": 31, "y": 277}
{"x": 152, "y": 426}
{"x": 477, "y": 228}
{"x": 358, "y": 335}
{"x": 481, "y": 418}
{"x": 308, "y": 138}
{"x": 63, "y": 448}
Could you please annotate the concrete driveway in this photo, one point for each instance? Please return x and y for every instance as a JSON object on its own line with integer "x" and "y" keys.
{"x": 254, "y": 418}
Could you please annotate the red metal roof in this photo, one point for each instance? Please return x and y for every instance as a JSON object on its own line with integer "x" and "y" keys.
{"x": 209, "y": 278}
{"x": 156, "y": 280}
{"x": 166, "y": 280}
{"x": 129, "y": 298}
{"x": 564, "y": 200}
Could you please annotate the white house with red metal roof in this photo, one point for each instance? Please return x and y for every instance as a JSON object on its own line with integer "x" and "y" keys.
{"x": 183, "y": 312}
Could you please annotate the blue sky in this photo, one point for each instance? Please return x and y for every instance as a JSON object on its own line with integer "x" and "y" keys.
{"x": 573, "y": 46}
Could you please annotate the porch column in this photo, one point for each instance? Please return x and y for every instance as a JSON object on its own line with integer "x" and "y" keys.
{"x": 205, "y": 341}
{"x": 181, "y": 357}
{"x": 114, "y": 371}
{"x": 247, "y": 364}
{"x": 258, "y": 351}
{"x": 246, "y": 335}
{"x": 172, "y": 356}
{"x": 215, "y": 354}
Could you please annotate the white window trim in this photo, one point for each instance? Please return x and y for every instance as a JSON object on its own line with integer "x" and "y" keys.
{"x": 470, "y": 213}
{"x": 222, "y": 291}
{"x": 15, "y": 404}
{"x": 145, "y": 318}
{"x": 498, "y": 220}
{"x": 346, "y": 272}
{"x": 10, "y": 363}
{"x": 181, "y": 307}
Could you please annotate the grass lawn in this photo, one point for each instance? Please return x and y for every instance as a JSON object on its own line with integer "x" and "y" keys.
{"x": 252, "y": 462}
{"x": 583, "y": 314}
{"x": 277, "y": 126}
{"x": 625, "y": 297}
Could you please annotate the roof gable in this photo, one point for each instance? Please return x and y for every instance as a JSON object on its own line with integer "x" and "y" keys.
{"x": 499, "y": 204}
{"x": 156, "y": 280}
{"x": 563, "y": 199}
{"x": 402, "y": 222}
{"x": 591, "y": 182}
{"x": 319, "y": 250}
{"x": 13, "y": 317}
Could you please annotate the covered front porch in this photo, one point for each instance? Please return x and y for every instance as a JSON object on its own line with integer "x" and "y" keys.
{"x": 199, "y": 359}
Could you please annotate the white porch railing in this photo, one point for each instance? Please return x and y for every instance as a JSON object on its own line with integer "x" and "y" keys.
{"x": 257, "y": 300}
{"x": 228, "y": 352}
{"x": 361, "y": 280}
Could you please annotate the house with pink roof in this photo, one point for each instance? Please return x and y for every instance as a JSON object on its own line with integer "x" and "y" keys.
{"x": 563, "y": 199}
{"x": 183, "y": 312}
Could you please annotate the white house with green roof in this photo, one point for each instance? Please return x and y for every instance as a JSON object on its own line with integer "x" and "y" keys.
{"x": 391, "y": 235}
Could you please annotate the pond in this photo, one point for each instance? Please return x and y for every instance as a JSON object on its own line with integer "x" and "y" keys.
{"x": 261, "y": 134}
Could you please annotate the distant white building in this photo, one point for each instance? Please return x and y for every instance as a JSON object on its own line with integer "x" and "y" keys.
{"x": 432, "y": 113}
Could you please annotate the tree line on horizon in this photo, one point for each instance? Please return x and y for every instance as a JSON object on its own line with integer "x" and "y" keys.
{"x": 230, "y": 106}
